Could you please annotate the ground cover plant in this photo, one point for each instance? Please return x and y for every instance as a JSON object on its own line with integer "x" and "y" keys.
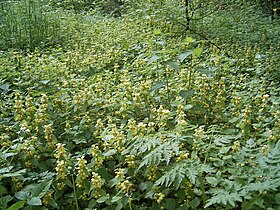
{"x": 150, "y": 117}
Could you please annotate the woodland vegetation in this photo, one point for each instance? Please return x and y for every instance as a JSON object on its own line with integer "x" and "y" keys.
{"x": 139, "y": 105}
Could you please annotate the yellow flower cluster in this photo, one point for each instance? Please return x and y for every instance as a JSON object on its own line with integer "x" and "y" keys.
{"x": 96, "y": 183}
{"x": 159, "y": 197}
{"x": 82, "y": 171}
{"x": 61, "y": 165}
{"x": 126, "y": 186}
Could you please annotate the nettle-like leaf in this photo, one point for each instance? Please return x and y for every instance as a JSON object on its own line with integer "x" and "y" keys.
{"x": 270, "y": 164}
{"x": 162, "y": 152}
{"x": 185, "y": 169}
{"x": 34, "y": 192}
{"x": 223, "y": 197}
{"x": 142, "y": 144}
{"x": 263, "y": 186}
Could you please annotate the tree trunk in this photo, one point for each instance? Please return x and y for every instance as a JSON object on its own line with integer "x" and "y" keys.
{"x": 188, "y": 19}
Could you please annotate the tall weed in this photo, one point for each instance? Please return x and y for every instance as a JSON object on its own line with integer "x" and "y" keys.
{"x": 27, "y": 24}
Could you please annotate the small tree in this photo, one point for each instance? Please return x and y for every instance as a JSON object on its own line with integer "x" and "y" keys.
{"x": 198, "y": 9}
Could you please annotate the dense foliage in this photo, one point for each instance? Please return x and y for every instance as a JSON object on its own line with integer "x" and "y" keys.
{"x": 136, "y": 113}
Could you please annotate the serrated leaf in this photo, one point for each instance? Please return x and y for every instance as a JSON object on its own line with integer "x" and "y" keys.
{"x": 192, "y": 174}
{"x": 212, "y": 180}
{"x": 224, "y": 197}
{"x": 17, "y": 205}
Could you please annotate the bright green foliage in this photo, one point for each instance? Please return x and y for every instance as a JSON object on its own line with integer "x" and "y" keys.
{"x": 143, "y": 118}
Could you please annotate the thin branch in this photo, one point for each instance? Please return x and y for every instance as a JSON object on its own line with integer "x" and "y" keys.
{"x": 202, "y": 36}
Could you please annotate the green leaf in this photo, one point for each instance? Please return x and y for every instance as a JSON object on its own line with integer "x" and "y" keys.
{"x": 5, "y": 87}
{"x": 119, "y": 206}
{"x": 157, "y": 32}
{"x": 186, "y": 93}
{"x": 5, "y": 200}
{"x": 21, "y": 195}
{"x": 172, "y": 64}
{"x": 34, "y": 191}
{"x": 53, "y": 203}
{"x": 35, "y": 201}
{"x": 169, "y": 204}
{"x": 41, "y": 189}
{"x": 102, "y": 199}
{"x": 183, "y": 207}
{"x": 183, "y": 56}
{"x": 197, "y": 52}
{"x": 154, "y": 58}
{"x": 116, "y": 198}
{"x": 6, "y": 169}
{"x": 17, "y": 205}
{"x": 110, "y": 152}
{"x": 212, "y": 180}
{"x": 158, "y": 85}
{"x": 195, "y": 202}
{"x": 45, "y": 81}
{"x": 189, "y": 39}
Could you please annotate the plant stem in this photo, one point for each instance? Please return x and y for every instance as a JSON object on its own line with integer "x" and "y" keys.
{"x": 75, "y": 193}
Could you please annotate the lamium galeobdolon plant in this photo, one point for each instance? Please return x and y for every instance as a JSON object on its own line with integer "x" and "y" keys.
{"x": 137, "y": 123}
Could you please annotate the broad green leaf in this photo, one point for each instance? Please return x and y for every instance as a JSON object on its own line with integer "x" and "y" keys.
{"x": 102, "y": 199}
{"x": 157, "y": 32}
{"x": 41, "y": 189}
{"x": 21, "y": 195}
{"x": 197, "y": 52}
{"x": 183, "y": 56}
{"x": 5, "y": 87}
{"x": 116, "y": 198}
{"x": 194, "y": 203}
{"x": 6, "y": 169}
{"x": 17, "y": 205}
{"x": 173, "y": 64}
{"x": 5, "y": 200}
{"x": 110, "y": 153}
{"x": 35, "y": 201}
{"x": 154, "y": 58}
{"x": 53, "y": 203}
{"x": 158, "y": 85}
{"x": 119, "y": 206}
{"x": 161, "y": 42}
{"x": 186, "y": 93}
{"x": 170, "y": 204}
{"x": 45, "y": 81}
{"x": 189, "y": 39}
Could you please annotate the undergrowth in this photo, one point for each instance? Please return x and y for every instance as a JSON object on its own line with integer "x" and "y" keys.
{"x": 143, "y": 118}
